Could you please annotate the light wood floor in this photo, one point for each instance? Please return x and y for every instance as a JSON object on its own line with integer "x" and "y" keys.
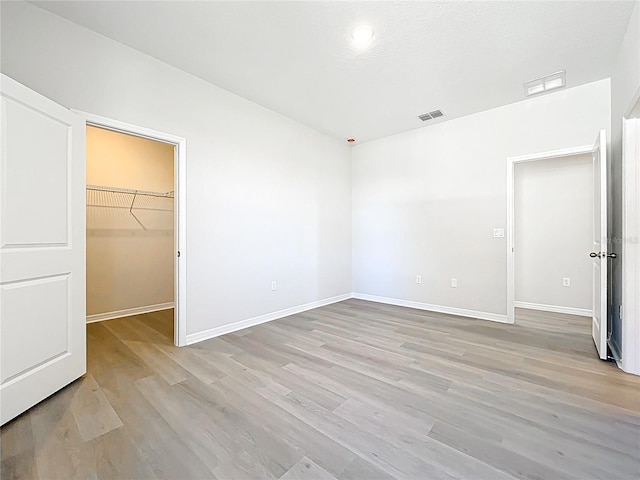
{"x": 354, "y": 390}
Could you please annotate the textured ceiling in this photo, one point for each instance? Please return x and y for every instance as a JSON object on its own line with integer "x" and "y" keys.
{"x": 297, "y": 58}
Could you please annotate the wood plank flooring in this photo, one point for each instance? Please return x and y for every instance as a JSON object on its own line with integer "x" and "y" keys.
{"x": 354, "y": 390}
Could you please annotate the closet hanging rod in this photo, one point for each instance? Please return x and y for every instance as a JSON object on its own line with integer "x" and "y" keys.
{"x": 100, "y": 188}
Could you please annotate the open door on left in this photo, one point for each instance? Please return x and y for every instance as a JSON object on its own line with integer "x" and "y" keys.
{"x": 600, "y": 245}
{"x": 42, "y": 248}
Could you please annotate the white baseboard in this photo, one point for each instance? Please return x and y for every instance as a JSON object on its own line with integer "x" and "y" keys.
{"x": 583, "y": 312}
{"x": 99, "y": 317}
{"x": 250, "y": 322}
{"x": 494, "y": 317}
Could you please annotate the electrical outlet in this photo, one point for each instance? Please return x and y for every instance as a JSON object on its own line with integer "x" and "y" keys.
{"x": 454, "y": 283}
{"x": 418, "y": 278}
{"x": 274, "y": 286}
{"x": 566, "y": 282}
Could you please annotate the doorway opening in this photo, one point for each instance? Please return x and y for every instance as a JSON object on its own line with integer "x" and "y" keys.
{"x": 135, "y": 226}
{"x": 553, "y": 224}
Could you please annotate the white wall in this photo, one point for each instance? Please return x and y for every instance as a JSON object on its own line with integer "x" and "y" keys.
{"x": 128, "y": 161}
{"x": 625, "y": 85}
{"x": 130, "y": 260}
{"x": 426, "y": 201}
{"x": 554, "y": 232}
{"x": 267, "y": 198}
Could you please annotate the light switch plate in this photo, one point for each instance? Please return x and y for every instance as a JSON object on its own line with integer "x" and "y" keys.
{"x": 498, "y": 232}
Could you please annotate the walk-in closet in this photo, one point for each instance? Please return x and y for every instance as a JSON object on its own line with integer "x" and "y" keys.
{"x": 130, "y": 226}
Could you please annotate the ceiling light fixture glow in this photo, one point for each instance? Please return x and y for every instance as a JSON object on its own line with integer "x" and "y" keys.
{"x": 546, "y": 83}
{"x": 362, "y": 35}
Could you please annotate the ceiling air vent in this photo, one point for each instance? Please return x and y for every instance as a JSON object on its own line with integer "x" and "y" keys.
{"x": 546, "y": 83}
{"x": 431, "y": 115}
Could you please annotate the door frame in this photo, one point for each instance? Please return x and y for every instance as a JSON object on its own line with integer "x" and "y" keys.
{"x": 510, "y": 230}
{"x": 630, "y": 317}
{"x": 180, "y": 210}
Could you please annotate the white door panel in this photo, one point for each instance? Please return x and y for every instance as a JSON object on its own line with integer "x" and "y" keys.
{"x": 42, "y": 248}
{"x": 600, "y": 245}
{"x": 52, "y": 340}
{"x": 35, "y": 197}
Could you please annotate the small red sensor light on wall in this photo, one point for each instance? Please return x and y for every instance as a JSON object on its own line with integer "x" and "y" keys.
{"x": 351, "y": 140}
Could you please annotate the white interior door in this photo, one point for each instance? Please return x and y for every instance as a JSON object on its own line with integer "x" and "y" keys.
{"x": 600, "y": 251}
{"x": 42, "y": 248}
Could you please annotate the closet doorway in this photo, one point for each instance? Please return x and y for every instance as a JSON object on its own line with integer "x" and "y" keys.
{"x": 553, "y": 235}
{"x": 598, "y": 256}
{"x": 134, "y": 259}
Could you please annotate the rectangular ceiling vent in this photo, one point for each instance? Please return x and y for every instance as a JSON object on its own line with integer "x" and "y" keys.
{"x": 546, "y": 83}
{"x": 431, "y": 115}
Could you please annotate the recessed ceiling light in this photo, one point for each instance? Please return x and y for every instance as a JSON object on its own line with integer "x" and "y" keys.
{"x": 362, "y": 35}
{"x": 546, "y": 83}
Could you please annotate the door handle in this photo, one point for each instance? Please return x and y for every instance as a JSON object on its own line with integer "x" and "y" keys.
{"x": 603, "y": 255}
